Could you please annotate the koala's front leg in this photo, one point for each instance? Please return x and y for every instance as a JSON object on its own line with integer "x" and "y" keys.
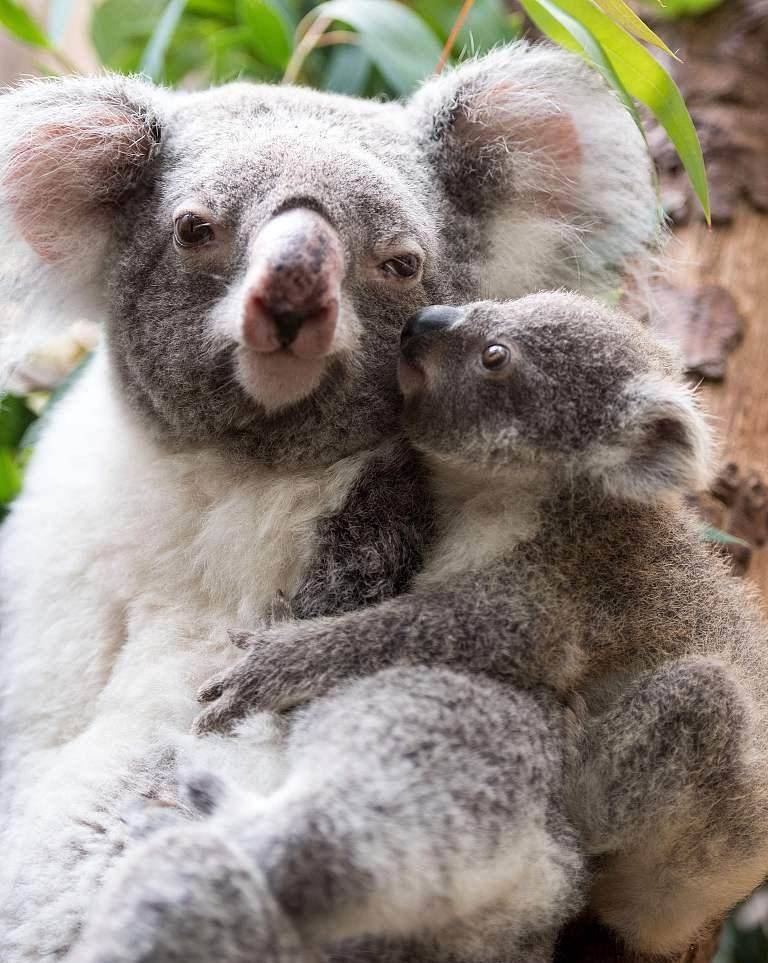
{"x": 481, "y": 623}
{"x": 666, "y": 791}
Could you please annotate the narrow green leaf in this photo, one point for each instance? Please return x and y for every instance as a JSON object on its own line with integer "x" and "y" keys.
{"x": 21, "y": 24}
{"x": 644, "y": 79}
{"x": 153, "y": 58}
{"x": 15, "y": 418}
{"x": 397, "y": 40}
{"x": 348, "y": 70}
{"x": 10, "y": 476}
{"x": 711, "y": 534}
{"x": 625, "y": 16}
{"x": 270, "y": 36}
{"x": 121, "y": 29}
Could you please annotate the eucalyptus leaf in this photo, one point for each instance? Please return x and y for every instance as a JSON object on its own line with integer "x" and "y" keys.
{"x": 396, "y": 39}
{"x": 15, "y": 419}
{"x": 269, "y": 33}
{"x": 348, "y": 70}
{"x": 10, "y": 476}
{"x": 153, "y": 58}
{"x": 642, "y": 77}
{"x": 121, "y": 29}
{"x": 21, "y": 25}
{"x": 618, "y": 11}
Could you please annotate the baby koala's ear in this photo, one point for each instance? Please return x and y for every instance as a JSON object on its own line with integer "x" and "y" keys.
{"x": 663, "y": 444}
{"x": 70, "y": 151}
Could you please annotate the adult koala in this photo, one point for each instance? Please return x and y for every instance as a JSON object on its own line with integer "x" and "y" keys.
{"x": 255, "y": 251}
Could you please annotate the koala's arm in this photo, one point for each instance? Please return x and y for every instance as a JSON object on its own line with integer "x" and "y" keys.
{"x": 372, "y": 547}
{"x": 497, "y": 622}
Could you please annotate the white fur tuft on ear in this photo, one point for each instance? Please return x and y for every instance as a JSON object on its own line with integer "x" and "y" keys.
{"x": 69, "y": 150}
{"x": 535, "y": 134}
{"x": 663, "y": 444}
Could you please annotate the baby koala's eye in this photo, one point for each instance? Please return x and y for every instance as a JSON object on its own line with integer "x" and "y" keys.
{"x": 496, "y": 356}
{"x": 191, "y": 230}
{"x": 402, "y": 266}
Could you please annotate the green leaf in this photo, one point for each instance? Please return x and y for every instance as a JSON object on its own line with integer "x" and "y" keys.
{"x": 15, "y": 418}
{"x": 10, "y": 476}
{"x": 642, "y": 77}
{"x": 269, "y": 32}
{"x": 711, "y": 534}
{"x": 347, "y": 71}
{"x": 21, "y": 24}
{"x": 672, "y": 9}
{"x": 120, "y": 31}
{"x": 618, "y": 11}
{"x": 153, "y": 59}
{"x": 397, "y": 40}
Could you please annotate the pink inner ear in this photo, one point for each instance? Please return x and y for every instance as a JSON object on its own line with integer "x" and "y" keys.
{"x": 57, "y": 179}
{"x": 502, "y": 115}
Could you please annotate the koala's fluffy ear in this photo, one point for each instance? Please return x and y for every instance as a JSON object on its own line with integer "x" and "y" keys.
{"x": 663, "y": 444}
{"x": 530, "y": 140}
{"x": 70, "y": 150}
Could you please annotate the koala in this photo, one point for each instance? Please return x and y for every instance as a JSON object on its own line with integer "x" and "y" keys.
{"x": 560, "y": 441}
{"x": 254, "y": 252}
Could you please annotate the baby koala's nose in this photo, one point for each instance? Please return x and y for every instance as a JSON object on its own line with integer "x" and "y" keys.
{"x": 436, "y": 317}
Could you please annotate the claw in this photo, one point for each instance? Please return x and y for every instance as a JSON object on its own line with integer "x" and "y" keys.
{"x": 243, "y": 640}
{"x": 210, "y": 691}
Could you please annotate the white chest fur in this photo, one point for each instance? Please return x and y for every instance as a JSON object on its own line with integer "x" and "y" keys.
{"x": 124, "y": 566}
{"x": 481, "y": 518}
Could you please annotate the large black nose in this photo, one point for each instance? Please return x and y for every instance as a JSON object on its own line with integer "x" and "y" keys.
{"x": 434, "y": 318}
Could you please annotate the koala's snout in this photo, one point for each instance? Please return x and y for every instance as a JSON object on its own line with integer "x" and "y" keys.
{"x": 294, "y": 286}
{"x": 414, "y": 343}
{"x": 436, "y": 317}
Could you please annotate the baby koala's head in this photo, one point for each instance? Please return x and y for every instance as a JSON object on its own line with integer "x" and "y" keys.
{"x": 557, "y": 381}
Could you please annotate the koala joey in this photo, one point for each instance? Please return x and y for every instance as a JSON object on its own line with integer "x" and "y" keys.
{"x": 560, "y": 441}
{"x": 254, "y": 252}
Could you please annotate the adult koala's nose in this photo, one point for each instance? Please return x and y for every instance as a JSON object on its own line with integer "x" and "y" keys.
{"x": 294, "y": 285}
{"x": 437, "y": 317}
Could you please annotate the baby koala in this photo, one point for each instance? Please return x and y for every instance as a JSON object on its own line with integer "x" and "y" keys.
{"x": 560, "y": 440}
{"x": 433, "y": 786}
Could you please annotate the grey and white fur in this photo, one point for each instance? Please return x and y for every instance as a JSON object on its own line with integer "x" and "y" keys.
{"x": 561, "y": 442}
{"x": 254, "y": 252}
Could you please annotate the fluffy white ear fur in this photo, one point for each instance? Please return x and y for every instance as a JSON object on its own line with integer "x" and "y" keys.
{"x": 69, "y": 149}
{"x": 664, "y": 445}
{"x": 577, "y": 176}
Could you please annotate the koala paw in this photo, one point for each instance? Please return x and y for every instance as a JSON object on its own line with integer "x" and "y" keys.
{"x": 277, "y": 674}
{"x": 188, "y": 895}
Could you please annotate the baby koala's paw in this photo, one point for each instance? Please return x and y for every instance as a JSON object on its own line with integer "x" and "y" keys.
{"x": 188, "y": 894}
{"x": 278, "y": 673}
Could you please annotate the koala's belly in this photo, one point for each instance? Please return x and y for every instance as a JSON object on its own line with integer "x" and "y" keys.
{"x": 123, "y": 567}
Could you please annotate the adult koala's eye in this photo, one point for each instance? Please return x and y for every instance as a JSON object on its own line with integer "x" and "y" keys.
{"x": 496, "y": 356}
{"x": 191, "y": 230}
{"x": 402, "y": 266}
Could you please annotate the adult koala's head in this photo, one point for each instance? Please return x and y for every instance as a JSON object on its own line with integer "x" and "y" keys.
{"x": 255, "y": 250}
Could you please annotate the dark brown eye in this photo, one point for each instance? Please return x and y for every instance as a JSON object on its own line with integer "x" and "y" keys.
{"x": 496, "y": 356}
{"x": 190, "y": 229}
{"x": 402, "y": 266}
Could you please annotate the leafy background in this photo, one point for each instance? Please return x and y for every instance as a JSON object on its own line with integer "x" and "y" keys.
{"x": 368, "y": 48}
